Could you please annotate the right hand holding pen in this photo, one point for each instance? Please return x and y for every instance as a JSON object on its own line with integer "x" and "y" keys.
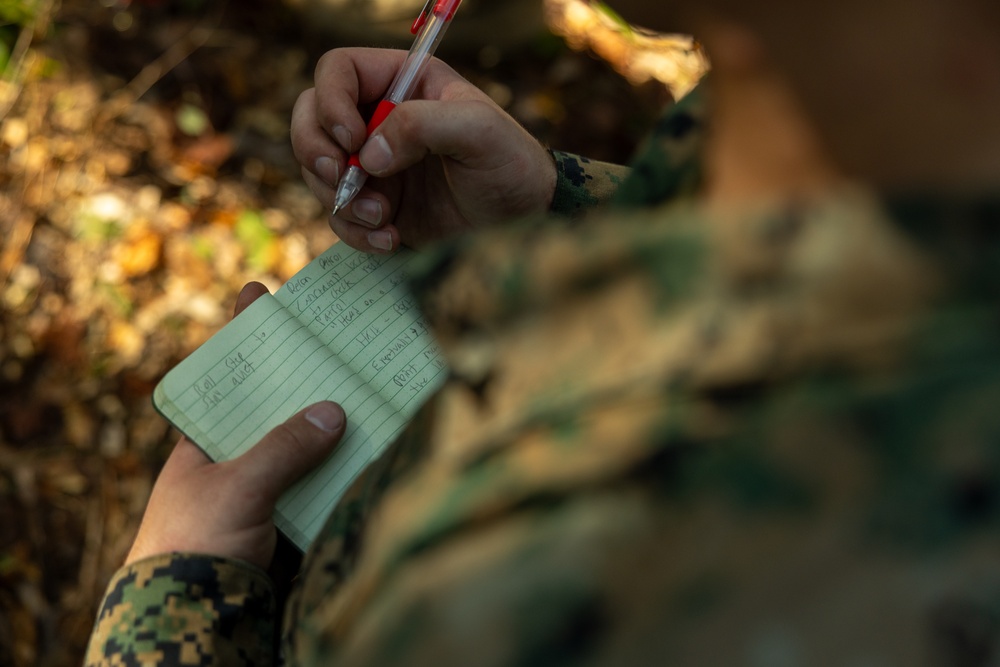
{"x": 444, "y": 162}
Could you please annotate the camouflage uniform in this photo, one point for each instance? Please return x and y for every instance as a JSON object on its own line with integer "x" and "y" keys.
{"x": 668, "y": 438}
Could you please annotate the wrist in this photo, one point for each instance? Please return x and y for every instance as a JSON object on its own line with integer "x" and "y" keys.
{"x": 230, "y": 605}
{"x": 551, "y": 180}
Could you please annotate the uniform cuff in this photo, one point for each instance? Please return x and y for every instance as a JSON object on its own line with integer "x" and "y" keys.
{"x": 583, "y": 184}
{"x": 186, "y": 609}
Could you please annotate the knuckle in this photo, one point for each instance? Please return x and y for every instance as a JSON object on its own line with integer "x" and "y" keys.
{"x": 328, "y": 61}
{"x": 293, "y": 442}
{"x": 352, "y": 234}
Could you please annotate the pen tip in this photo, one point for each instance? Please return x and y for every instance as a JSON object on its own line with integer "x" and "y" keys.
{"x": 335, "y": 209}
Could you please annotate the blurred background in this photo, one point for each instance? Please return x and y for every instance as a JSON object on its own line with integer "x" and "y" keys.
{"x": 146, "y": 175}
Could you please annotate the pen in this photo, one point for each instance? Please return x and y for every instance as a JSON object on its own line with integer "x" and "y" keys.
{"x": 429, "y": 28}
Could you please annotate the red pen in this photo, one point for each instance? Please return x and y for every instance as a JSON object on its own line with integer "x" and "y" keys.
{"x": 429, "y": 28}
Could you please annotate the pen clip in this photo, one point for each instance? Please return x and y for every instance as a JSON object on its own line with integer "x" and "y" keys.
{"x": 446, "y": 7}
{"x": 421, "y": 19}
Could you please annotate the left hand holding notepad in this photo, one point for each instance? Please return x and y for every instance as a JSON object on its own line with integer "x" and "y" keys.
{"x": 225, "y": 509}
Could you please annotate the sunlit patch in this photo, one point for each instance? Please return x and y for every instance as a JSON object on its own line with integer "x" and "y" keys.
{"x": 677, "y": 61}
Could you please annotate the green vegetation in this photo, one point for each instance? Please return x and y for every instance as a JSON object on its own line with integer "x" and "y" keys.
{"x": 255, "y": 237}
{"x": 18, "y": 12}
{"x": 16, "y": 16}
{"x": 625, "y": 26}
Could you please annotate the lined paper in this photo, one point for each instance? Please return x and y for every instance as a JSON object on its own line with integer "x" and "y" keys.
{"x": 345, "y": 328}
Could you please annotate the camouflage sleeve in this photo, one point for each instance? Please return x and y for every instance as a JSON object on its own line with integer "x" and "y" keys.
{"x": 182, "y": 609}
{"x": 582, "y": 183}
{"x": 666, "y": 167}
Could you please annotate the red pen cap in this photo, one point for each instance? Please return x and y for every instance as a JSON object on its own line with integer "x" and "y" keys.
{"x": 444, "y": 8}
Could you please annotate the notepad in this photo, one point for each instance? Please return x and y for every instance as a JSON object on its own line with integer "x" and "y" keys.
{"x": 345, "y": 328}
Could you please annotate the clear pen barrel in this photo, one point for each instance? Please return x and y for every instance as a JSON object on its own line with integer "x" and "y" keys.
{"x": 418, "y": 57}
{"x": 350, "y": 185}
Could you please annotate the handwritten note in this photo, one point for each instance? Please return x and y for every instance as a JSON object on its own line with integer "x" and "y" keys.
{"x": 345, "y": 328}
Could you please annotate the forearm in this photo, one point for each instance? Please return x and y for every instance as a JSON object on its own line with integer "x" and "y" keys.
{"x": 188, "y": 610}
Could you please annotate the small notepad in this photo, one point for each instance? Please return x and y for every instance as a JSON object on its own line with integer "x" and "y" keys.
{"x": 346, "y": 328}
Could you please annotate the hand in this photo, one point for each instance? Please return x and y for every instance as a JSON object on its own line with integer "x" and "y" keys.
{"x": 225, "y": 509}
{"x": 448, "y": 160}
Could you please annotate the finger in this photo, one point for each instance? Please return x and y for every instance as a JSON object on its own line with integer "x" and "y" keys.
{"x": 347, "y": 78}
{"x": 312, "y": 145}
{"x": 376, "y": 204}
{"x": 362, "y": 225}
{"x": 379, "y": 241}
{"x": 462, "y": 130}
{"x": 250, "y": 293}
{"x": 325, "y": 193}
{"x": 356, "y": 224}
{"x": 292, "y": 449}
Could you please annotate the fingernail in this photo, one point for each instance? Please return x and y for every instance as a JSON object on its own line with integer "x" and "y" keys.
{"x": 368, "y": 211}
{"x": 343, "y": 137}
{"x": 376, "y": 156}
{"x": 327, "y": 169}
{"x": 326, "y": 417}
{"x": 380, "y": 239}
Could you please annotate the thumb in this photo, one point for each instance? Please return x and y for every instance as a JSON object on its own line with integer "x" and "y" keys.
{"x": 292, "y": 449}
{"x": 460, "y": 130}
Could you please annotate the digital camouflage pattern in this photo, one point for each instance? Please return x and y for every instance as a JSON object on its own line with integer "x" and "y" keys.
{"x": 186, "y": 610}
{"x": 583, "y": 184}
{"x": 673, "y": 438}
{"x": 667, "y": 166}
